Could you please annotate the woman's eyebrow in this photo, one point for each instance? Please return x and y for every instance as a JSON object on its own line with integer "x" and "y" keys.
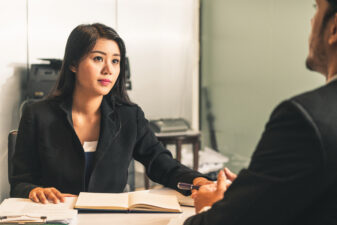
{"x": 97, "y": 51}
{"x": 103, "y": 53}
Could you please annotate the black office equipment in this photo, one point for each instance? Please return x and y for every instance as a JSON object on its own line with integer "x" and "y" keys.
{"x": 127, "y": 74}
{"x": 210, "y": 120}
{"x": 42, "y": 78}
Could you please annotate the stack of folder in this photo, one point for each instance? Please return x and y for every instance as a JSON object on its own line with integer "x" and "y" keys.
{"x": 24, "y": 211}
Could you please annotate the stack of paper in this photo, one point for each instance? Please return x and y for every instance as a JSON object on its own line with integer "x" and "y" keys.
{"x": 24, "y": 210}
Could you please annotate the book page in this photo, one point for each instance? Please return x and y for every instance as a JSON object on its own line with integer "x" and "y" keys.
{"x": 182, "y": 199}
{"x": 104, "y": 201}
{"x": 153, "y": 202}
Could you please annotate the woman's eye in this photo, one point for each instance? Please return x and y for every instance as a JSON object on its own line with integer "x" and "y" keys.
{"x": 115, "y": 61}
{"x": 98, "y": 58}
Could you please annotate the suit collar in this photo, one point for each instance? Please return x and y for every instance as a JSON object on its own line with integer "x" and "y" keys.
{"x": 107, "y": 107}
{"x": 110, "y": 123}
{"x": 66, "y": 106}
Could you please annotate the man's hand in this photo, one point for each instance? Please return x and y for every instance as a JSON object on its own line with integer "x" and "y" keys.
{"x": 230, "y": 177}
{"x": 199, "y": 181}
{"x": 44, "y": 195}
{"x": 208, "y": 194}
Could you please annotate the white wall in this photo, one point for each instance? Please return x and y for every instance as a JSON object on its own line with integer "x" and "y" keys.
{"x": 50, "y": 23}
{"x": 163, "y": 46}
{"x": 13, "y": 59}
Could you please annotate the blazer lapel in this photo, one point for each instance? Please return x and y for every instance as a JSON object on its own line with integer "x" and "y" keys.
{"x": 66, "y": 107}
{"x": 110, "y": 126}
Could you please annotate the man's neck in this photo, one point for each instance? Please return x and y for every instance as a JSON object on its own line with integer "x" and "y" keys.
{"x": 331, "y": 78}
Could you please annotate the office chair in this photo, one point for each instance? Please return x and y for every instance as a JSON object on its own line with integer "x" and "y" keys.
{"x": 11, "y": 149}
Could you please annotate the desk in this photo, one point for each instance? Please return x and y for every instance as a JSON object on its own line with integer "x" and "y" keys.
{"x": 108, "y": 217}
{"x": 178, "y": 139}
{"x": 139, "y": 218}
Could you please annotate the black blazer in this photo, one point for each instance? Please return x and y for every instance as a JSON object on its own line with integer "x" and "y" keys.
{"x": 48, "y": 152}
{"x": 292, "y": 177}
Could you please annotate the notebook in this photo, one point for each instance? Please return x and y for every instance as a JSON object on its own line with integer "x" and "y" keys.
{"x": 132, "y": 202}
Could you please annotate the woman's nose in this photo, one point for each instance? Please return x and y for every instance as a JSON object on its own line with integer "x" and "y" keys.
{"x": 107, "y": 70}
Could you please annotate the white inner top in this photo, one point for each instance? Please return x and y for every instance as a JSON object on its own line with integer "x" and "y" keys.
{"x": 90, "y": 146}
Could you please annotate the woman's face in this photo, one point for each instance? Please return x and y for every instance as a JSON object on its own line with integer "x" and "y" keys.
{"x": 98, "y": 71}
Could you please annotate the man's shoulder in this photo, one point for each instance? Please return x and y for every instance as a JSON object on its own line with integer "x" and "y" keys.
{"x": 314, "y": 105}
{"x": 320, "y": 97}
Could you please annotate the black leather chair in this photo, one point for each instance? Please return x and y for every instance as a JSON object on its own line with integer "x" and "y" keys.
{"x": 11, "y": 148}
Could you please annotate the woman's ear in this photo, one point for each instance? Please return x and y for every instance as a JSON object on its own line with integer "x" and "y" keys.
{"x": 73, "y": 69}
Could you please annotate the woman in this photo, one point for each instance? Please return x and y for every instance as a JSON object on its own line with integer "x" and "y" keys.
{"x": 84, "y": 135}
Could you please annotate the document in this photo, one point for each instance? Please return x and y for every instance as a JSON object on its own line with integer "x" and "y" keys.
{"x": 132, "y": 201}
{"x": 23, "y": 210}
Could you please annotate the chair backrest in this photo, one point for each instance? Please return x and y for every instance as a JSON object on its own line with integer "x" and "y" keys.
{"x": 11, "y": 149}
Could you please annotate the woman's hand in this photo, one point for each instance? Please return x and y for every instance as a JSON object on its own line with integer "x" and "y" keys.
{"x": 44, "y": 195}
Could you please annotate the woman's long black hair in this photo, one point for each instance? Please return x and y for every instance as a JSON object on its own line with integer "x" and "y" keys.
{"x": 80, "y": 42}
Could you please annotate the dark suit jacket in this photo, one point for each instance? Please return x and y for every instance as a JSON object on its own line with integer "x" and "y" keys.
{"x": 48, "y": 152}
{"x": 292, "y": 177}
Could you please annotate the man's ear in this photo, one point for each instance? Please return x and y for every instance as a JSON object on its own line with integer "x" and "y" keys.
{"x": 333, "y": 31}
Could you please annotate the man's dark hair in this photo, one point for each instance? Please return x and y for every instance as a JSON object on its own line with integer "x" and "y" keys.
{"x": 331, "y": 11}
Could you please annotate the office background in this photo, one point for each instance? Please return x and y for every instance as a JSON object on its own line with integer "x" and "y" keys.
{"x": 252, "y": 57}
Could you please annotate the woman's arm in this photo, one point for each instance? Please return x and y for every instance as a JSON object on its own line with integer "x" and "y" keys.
{"x": 25, "y": 177}
{"x": 25, "y": 159}
{"x": 158, "y": 161}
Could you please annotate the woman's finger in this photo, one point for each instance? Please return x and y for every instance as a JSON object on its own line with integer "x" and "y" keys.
{"x": 58, "y": 194}
{"x": 33, "y": 197}
{"x": 51, "y": 196}
{"x": 42, "y": 198}
{"x": 68, "y": 195}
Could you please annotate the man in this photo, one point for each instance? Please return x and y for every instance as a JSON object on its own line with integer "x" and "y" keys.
{"x": 292, "y": 178}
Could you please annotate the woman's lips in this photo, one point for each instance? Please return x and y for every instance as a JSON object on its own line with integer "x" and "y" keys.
{"x": 104, "y": 82}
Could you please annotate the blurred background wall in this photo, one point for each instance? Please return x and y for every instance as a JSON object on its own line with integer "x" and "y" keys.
{"x": 253, "y": 56}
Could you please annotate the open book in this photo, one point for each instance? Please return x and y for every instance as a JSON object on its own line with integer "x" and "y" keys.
{"x": 132, "y": 201}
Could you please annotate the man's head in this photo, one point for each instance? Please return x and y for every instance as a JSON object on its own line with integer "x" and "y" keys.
{"x": 323, "y": 38}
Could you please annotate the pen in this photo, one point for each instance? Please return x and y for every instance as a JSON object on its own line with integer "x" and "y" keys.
{"x": 186, "y": 186}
